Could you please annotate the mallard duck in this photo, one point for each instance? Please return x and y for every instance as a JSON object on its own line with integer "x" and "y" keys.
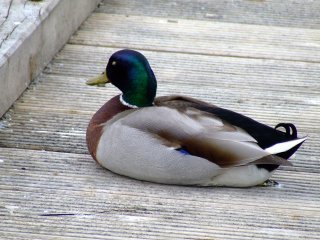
{"x": 177, "y": 139}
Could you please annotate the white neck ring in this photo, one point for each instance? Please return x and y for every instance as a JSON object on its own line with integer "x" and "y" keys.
{"x": 127, "y": 104}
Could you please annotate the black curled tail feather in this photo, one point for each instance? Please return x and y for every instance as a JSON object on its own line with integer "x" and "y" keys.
{"x": 291, "y": 132}
{"x": 291, "y": 129}
{"x": 266, "y": 136}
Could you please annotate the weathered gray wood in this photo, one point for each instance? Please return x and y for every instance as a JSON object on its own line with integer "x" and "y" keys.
{"x": 287, "y": 13}
{"x": 30, "y": 34}
{"x": 54, "y": 113}
{"x": 37, "y": 186}
{"x": 56, "y": 191}
{"x": 184, "y": 69}
{"x": 200, "y": 37}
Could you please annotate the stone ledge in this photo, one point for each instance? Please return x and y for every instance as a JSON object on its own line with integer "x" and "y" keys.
{"x": 31, "y": 33}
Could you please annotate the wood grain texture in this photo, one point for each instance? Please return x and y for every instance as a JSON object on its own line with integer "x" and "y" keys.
{"x": 200, "y": 37}
{"x": 47, "y": 194}
{"x": 56, "y": 109}
{"x": 285, "y": 13}
{"x": 50, "y": 188}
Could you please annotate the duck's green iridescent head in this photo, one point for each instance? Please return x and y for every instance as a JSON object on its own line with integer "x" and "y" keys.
{"x": 130, "y": 71}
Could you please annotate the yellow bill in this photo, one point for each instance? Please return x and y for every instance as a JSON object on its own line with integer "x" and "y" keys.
{"x": 100, "y": 80}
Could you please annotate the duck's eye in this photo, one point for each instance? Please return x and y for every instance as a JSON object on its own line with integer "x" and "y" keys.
{"x": 113, "y": 63}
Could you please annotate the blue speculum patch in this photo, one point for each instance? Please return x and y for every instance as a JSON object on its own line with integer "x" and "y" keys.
{"x": 183, "y": 151}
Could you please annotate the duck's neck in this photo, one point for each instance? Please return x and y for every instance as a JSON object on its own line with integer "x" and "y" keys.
{"x": 123, "y": 102}
{"x": 139, "y": 88}
{"x": 104, "y": 114}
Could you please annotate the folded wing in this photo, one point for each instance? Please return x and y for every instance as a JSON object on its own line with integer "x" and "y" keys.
{"x": 181, "y": 126}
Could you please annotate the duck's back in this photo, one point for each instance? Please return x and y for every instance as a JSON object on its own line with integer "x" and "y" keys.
{"x": 264, "y": 135}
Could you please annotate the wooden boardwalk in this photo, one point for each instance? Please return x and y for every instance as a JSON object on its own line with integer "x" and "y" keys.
{"x": 260, "y": 58}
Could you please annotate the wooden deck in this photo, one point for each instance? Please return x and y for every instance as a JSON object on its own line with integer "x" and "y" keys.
{"x": 260, "y": 58}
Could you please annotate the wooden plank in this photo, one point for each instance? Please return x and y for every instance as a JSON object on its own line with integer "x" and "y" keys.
{"x": 43, "y": 126}
{"x": 47, "y": 195}
{"x": 200, "y": 37}
{"x": 256, "y": 74}
{"x": 286, "y": 13}
{"x": 58, "y": 192}
{"x": 64, "y": 132}
{"x": 273, "y": 85}
{"x": 54, "y": 113}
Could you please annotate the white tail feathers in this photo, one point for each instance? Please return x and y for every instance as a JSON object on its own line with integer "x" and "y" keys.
{"x": 284, "y": 146}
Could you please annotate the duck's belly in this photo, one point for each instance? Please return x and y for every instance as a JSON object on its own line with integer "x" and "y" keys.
{"x": 145, "y": 158}
{"x": 244, "y": 176}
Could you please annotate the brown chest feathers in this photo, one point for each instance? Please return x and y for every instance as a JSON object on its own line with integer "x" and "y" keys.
{"x": 95, "y": 127}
